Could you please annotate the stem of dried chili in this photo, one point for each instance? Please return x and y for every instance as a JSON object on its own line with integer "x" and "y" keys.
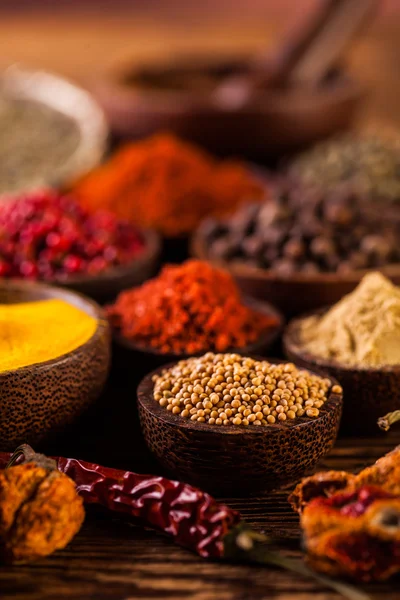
{"x": 193, "y": 518}
{"x": 388, "y": 420}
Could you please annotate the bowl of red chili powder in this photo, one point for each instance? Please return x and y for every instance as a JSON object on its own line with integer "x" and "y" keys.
{"x": 190, "y": 309}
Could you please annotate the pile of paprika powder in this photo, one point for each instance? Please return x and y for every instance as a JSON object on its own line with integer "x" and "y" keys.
{"x": 188, "y": 309}
{"x": 168, "y": 184}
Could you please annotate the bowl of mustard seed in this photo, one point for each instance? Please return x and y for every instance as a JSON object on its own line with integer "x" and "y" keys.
{"x": 237, "y": 424}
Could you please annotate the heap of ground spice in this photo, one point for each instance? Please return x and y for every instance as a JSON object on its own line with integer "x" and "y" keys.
{"x": 35, "y": 332}
{"x": 363, "y": 329}
{"x": 167, "y": 184}
{"x": 188, "y": 309}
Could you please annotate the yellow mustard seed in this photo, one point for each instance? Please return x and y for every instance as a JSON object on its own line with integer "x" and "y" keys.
{"x": 221, "y": 389}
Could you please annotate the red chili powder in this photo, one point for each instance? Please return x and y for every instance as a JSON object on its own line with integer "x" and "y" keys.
{"x": 165, "y": 183}
{"x": 188, "y": 309}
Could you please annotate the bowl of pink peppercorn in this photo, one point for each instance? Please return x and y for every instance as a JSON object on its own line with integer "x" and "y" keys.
{"x": 48, "y": 236}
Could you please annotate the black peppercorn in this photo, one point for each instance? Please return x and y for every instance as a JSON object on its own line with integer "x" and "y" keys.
{"x": 306, "y": 231}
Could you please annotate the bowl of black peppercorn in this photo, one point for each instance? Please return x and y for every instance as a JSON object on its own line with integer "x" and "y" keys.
{"x": 303, "y": 249}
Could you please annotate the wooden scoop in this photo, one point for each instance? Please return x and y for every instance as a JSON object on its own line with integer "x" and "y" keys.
{"x": 305, "y": 56}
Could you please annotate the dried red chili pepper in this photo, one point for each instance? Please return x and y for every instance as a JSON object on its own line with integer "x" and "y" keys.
{"x": 351, "y": 523}
{"x": 385, "y": 473}
{"x": 193, "y": 518}
{"x": 355, "y": 534}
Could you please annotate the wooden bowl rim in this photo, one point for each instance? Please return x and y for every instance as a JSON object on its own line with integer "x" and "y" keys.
{"x": 303, "y": 100}
{"x": 266, "y": 338}
{"x": 151, "y": 249}
{"x": 148, "y": 403}
{"x": 71, "y": 100}
{"x": 290, "y": 344}
{"x": 198, "y": 250}
{"x": 85, "y": 304}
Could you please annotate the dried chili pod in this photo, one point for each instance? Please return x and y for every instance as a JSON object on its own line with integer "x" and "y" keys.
{"x": 385, "y": 473}
{"x": 40, "y": 510}
{"x": 354, "y": 534}
{"x": 193, "y": 518}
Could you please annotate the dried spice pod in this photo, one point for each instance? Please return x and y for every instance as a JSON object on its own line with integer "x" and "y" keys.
{"x": 385, "y": 473}
{"x": 354, "y": 534}
{"x": 40, "y": 510}
{"x": 351, "y": 523}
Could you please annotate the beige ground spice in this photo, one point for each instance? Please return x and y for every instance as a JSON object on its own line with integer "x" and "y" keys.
{"x": 363, "y": 329}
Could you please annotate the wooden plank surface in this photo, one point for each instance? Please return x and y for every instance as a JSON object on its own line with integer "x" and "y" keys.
{"x": 110, "y": 558}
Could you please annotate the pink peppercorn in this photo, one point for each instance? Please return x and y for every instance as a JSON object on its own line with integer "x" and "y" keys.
{"x": 45, "y": 235}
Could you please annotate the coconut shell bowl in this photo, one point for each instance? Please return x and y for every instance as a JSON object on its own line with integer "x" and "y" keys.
{"x": 275, "y": 123}
{"x": 105, "y": 286}
{"x": 40, "y": 399}
{"x": 236, "y": 459}
{"x": 369, "y": 393}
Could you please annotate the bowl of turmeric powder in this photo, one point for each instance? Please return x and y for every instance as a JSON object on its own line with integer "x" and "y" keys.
{"x": 54, "y": 360}
{"x": 357, "y": 341}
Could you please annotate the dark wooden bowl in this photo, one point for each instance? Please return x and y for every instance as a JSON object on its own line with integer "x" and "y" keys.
{"x": 152, "y": 358}
{"x": 295, "y": 294}
{"x": 276, "y": 123}
{"x": 369, "y": 393}
{"x": 236, "y": 459}
{"x": 107, "y": 285}
{"x": 38, "y": 400}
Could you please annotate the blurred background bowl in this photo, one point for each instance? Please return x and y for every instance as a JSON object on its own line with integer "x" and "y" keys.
{"x": 276, "y": 123}
{"x": 21, "y": 83}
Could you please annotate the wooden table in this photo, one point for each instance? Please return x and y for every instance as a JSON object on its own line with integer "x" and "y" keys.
{"x": 112, "y": 559}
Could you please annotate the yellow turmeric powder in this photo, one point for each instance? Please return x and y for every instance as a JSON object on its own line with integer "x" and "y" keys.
{"x": 34, "y": 332}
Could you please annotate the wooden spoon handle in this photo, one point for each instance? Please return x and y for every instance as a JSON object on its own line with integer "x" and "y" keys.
{"x": 275, "y": 68}
{"x": 332, "y": 39}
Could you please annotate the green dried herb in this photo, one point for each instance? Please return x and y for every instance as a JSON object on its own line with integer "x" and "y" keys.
{"x": 370, "y": 163}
